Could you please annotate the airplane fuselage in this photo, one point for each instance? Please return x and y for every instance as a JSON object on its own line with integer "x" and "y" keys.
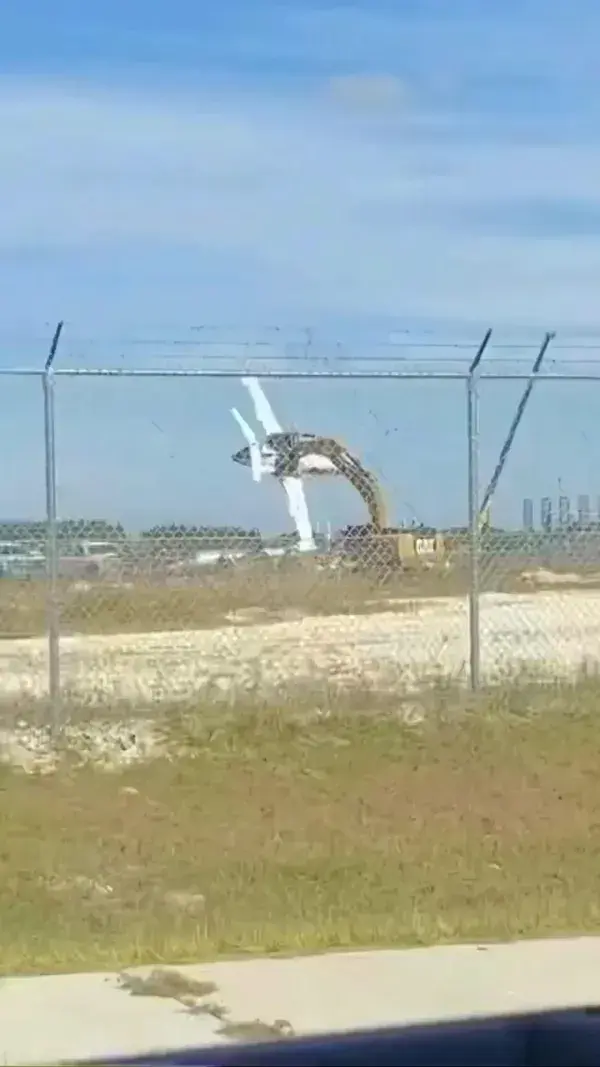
{"x": 278, "y": 449}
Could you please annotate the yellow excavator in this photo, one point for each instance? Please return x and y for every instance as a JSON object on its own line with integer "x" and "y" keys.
{"x": 375, "y": 543}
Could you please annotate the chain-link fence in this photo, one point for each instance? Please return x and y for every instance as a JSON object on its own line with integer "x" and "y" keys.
{"x": 260, "y": 558}
{"x": 540, "y": 569}
{"x": 213, "y": 537}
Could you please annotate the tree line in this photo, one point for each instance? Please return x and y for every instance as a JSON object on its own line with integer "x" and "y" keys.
{"x": 102, "y": 530}
{"x": 68, "y": 529}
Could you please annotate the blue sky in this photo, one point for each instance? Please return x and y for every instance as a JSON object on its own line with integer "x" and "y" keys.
{"x": 357, "y": 169}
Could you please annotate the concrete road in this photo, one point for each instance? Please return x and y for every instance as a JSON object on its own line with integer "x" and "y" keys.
{"x": 343, "y": 991}
{"x": 87, "y": 1016}
{"x": 80, "y": 1016}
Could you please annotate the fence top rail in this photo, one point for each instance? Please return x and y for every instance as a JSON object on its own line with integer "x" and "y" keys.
{"x": 307, "y": 373}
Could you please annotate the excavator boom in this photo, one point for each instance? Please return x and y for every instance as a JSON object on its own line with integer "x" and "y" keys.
{"x": 345, "y": 463}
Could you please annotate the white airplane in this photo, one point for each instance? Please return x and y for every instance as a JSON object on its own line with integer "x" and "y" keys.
{"x": 270, "y": 458}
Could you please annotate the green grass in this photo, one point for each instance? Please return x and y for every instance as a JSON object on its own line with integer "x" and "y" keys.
{"x": 279, "y": 833}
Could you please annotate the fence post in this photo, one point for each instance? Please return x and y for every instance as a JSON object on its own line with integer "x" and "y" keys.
{"x": 52, "y": 561}
{"x": 474, "y": 520}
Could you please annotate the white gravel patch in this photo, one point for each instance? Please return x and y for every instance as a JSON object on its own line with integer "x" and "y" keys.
{"x": 553, "y": 633}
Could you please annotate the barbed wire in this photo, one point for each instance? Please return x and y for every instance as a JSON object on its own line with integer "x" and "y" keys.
{"x": 465, "y": 346}
{"x": 421, "y": 351}
{"x": 252, "y": 334}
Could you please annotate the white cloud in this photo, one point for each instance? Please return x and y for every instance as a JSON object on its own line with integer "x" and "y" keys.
{"x": 333, "y": 212}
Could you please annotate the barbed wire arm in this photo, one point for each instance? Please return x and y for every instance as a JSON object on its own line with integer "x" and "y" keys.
{"x": 510, "y": 437}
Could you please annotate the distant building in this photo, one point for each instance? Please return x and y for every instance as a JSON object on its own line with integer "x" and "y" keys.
{"x": 546, "y": 513}
{"x": 528, "y": 522}
{"x": 564, "y": 511}
{"x": 583, "y": 509}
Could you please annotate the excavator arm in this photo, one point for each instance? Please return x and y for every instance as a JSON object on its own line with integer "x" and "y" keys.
{"x": 347, "y": 465}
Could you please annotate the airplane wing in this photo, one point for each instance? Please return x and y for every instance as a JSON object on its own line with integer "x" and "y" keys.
{"x": 264, "y": 411}
{"x": 298, "y": 509}
{"x": 294, "y": 490}
{"x": 253, "y": 445}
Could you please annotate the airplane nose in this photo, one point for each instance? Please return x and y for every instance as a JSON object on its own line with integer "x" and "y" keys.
{"x": 243, "y": 457}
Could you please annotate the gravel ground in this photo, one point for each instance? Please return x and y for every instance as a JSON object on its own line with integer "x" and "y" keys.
{"x": 550, "y": 633}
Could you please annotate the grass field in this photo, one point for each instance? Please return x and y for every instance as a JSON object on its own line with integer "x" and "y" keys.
{"x": 145, "y": 607}
{"x": 214, "y": 600}
{"x": 279, "y": 832}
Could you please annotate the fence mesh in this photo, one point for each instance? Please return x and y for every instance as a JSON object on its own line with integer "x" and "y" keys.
{"x": 23, "y": 602}
{"x": 222, "y": 540}
{"x": 540, "y": 558}
{"x": 205, "y": 554}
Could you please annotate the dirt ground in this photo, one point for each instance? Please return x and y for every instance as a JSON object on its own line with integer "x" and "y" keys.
{"x": 397, "y": 644}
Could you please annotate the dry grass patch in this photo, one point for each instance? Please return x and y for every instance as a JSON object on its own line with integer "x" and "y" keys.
{"x": 262, "y": 589}
{"x": 213, "y": 601}
{"x": 250, "y": 593}
{"x": 278, "y": 834}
